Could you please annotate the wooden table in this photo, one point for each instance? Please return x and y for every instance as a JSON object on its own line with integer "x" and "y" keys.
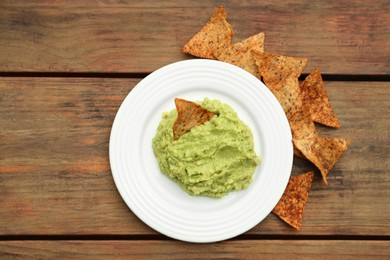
{"x": 66, "y": 67}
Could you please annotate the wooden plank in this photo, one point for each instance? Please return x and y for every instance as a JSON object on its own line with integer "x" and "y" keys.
{"x": 339, "y": 37}
{"x": 54, "y": 165}
{"x": 55, "y": 176}
{"x": 243, "y": 249}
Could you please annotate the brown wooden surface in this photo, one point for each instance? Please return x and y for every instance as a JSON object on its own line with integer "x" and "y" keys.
{"x": 57, "y": 195}
{"x": 244, "y": 249}
{"x": 339, "y": 37}
{"x": 55, "y": 169}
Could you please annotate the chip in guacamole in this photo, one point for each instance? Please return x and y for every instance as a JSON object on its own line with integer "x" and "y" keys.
{"x": 213, "y": 158}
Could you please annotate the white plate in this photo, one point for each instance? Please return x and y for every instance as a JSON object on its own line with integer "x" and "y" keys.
{"x": 160, "y": 202}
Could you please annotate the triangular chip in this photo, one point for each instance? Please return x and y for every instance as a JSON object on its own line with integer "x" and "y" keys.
{"x": 291, "y": 206}
{"x": 254, "y": 42}
{"x": 280, "y": 74}
{"x": 216, "y": 33}
{"x": 323, "y": 152}
{"x": 316, "y": 99}
{"x": 287, "y": 92}
{"x": 298, "y": 153}
{"x": 273, "y": 68}
{"x": 189, "y": 115}
{"x": 239, "y": 54}
{"x": 302, "y": 126}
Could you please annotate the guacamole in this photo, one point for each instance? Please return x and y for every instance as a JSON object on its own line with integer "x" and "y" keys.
{"x": 212, "y": 159}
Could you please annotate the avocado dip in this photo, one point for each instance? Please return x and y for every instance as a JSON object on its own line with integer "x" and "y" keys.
{"x": 212, "y": 159}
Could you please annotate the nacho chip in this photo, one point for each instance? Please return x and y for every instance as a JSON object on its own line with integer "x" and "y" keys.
{"x": 316, "y": 99}
{"x": 189, "y": 115}
{"x": 274, "y": 68}
{"x": 280, "y": 74}
{"x": 291, "y": 206}
{"x": 287, "y": 92}
{"x": 239, "y": 53}
{"x": 216, "y": 33}
{"x": 323, "y": 152}
{"x": 298, "y": 153}
{"x": 302, "y": 126}
{"x": 254, "y": 42}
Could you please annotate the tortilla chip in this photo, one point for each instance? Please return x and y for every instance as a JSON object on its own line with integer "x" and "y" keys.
{"x": 302, "y": 126}
{"x": 239, "y": 53}
{"x": 287, "y": 92}
{"x": 189, "y": 115}
{"x": 298, "y": 153}
{"x": 323, "y": 152}
{"x": 316, "y": 99}
{"x": 254, "y": 42}
{"x": 291, "y": 206}
{"x": 216, "y": 33}
{"x": 274, "y": 68}
{"x": 280, "y": 74}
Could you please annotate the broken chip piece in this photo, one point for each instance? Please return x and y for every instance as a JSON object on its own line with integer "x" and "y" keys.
{"x": 291, "y": 206}
{"x": 216, "y": 33}
{"x": 189, "y": 115}
{"x": 316, "y": 99}
{"x": 239, "y": 54}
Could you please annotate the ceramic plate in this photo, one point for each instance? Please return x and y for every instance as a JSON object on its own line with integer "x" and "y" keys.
{"x": 160, "y": 202}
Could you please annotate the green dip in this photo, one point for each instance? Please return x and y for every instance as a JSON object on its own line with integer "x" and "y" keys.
{"x": 212, "y": 159}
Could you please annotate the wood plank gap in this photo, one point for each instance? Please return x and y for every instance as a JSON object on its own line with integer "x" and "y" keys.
{"x": 312, "y": 237}
{"x": 73, "y": 75}
{"x": 326, "y": 77}
{"x": 346, "y": 77}
{"x": 113, "y": 237}
{"x": 83, "y": 237}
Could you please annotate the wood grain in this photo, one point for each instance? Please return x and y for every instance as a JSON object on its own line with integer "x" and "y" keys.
{"x": 339, "y": 37}
{"x": 54, "y": 163}
{"x": 55, "y": 176}
{"x": 245, "y": 249}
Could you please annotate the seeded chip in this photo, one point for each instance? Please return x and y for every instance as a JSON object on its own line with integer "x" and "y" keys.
{"x": 316, "y": 99}
{"x": 298, "y": 153}
{"x": 302, "y": 126}
{"x": 189, "y": 115}
{"x": 274, "y": 68}
{"x": 287, "y": 92}
{"x": 254, "y": 42}
{"x": 323, "y": 152}
{"x": 239, "y": 54}
{"x": 216, "y": 33}
{"x": 291, "y": 206}
{"x": 280, "y": 74}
